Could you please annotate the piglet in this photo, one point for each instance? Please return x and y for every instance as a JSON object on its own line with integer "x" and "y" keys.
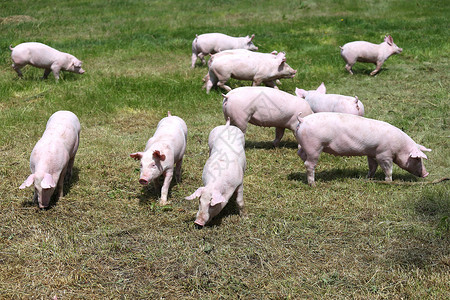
{"x": 263, "y": 106}
{"x": 322, "y": 102}
{"x": 164, "y": 149}
{"x": 367, "y": 52}
{"x": 223, "y": 173}
{"x": 44, "y": 57}
{"x": 53, "y": 156}
{"x": 350, "y": 135}
{"x": 210, "y": 43}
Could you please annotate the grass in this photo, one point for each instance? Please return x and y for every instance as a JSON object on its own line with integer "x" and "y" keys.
{"x": 108, "y": 238}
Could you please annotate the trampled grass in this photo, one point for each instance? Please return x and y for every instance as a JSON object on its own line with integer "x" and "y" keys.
{"x": 348, "y": 237}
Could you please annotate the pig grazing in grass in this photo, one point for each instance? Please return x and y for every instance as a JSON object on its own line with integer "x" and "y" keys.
{"x": 246, "y": 65}
{"x": 263, "y": 106}
{"x": 350, "y": 135}
{"x": 44, "y": 57}
{"x": 322, "y": 102}
{"x": 210, "y": 43}
{"x": 53, "y": 156}
{"x": 367, "y": 52}
{"x": 223, "y": 173}
{"x": 164, "y": 149}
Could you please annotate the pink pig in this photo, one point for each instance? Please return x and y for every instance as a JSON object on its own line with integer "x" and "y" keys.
{"x": 223, "y": 173}
{"x": 322, "y": 102}
{"x": 44, "y": 57}
{"x": 367, "y": 52}
{"x": 53, "y": 156}
{"x": 164, "y": 149}
{"x": 210, "y": 43}
{"x": 257, "y": 67}
{"x": 263, "y": 106}
{"x": 350, "y": 135}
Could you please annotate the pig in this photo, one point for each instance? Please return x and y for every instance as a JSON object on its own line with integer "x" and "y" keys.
{"x": 350, "y": 135}
{"x": 223, "y": 174}
{"x": 164, "y": 149}
{"x": 210, "y": 43}
{"x": 53, "y": 156}
{"x": 322, "y": 102}
{"x": 257, "y": 67}
{"x": 263, "y": 106}
{"x": 44, "y": 57}
{"x": 367, "y": 52}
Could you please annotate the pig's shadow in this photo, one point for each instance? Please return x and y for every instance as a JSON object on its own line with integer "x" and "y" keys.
{"x": 365, "y": 71}
{"x": 149, "y": 194}
{"x": 341, "y": 174}
{"x": 55, "y": 198}
{"x": 269, "y": 145}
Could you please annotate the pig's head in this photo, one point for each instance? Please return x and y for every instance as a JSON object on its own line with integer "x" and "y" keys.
{"x": 249, "y": 43}
{"x": 303, "y": 93}
{"x": 413, "y": 161}
{"x": 284, "y": 70}
{"x": 44, "y": 186}
{"x": 151, "y": 165}
{"x": 75, "y": 66}
{"x": 393, "y": 47}
{"x": 210, "y": 205}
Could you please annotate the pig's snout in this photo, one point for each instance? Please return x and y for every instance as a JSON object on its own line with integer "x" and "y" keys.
{"x": 81, "y": 71}
{"x": 425, "y": 175}
{"x": 197, "y": 225}
{"x": 143, "y": 181}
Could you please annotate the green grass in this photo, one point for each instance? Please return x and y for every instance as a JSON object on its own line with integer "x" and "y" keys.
{"x": 108, "y": 238}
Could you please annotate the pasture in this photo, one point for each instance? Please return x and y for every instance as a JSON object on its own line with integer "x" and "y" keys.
{"x": 108, "y": 238}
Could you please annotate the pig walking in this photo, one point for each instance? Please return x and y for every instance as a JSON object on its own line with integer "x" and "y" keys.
{"x": 210, "y": 43}
{"x": 53, "y": 156}
{"x": 164, "y": 149}
{"x": 263, "y": 106}
{"x": 322, "y": 102}
{"x": 257, "y": 67}
{"x": 367, "y": 52}
{"x": 350, "y": 135}
{"x": 223, "y": 173}
{"x": 44, "y": 57}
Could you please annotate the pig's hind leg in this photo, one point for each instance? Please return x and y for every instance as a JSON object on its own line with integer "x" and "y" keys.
{"x": 240, "y": 200}
{"x": 373, "y": 164}
{"x": 46, "y": 73}
{"x": 178, "y": 170}
{"x": 17, "y": 68}
{"x": 279, "y": 133}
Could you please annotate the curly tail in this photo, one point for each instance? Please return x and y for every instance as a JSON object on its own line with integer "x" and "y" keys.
{"x": 11, "y": 47}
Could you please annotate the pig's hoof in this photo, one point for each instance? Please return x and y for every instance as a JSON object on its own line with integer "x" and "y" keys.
{"x": 197, "y": 226}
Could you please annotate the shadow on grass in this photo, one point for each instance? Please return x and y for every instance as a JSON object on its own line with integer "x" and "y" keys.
{"x": 269, "y": 145}
{"x": 151, "y": 195}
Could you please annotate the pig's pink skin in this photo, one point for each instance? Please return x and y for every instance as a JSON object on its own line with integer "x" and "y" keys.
{"x": 223, "y": 173}
{"x": 263, "y": 106}
{"x": 210, "y": 43}
{"x": 257, "y": 67}
{"x": 367, "y": 52}
{"x": 44, "y": 57}
{"x": 164, "y": 149}
{"x": 350, "y": 135}
{"x": 322, "y": 102}
{"x": 53, "y": 156}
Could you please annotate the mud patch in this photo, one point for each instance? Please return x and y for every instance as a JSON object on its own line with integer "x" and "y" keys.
{"x": 16, "y": 19}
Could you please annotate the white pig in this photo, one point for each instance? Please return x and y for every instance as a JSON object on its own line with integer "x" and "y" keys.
{"x": 44, "y": 57}
{"x": 322, "y": 102}
{"x": 210, "y": 43}
{"x": 257, "y": 67}
{"x": 53, "y": 156}
{"x": 263, "y": 106}
{"x": 164, "y": 149}
{"x": 367, "y": 52}
{"x": 350, "y": 135}
{"x": 223, "y": 173}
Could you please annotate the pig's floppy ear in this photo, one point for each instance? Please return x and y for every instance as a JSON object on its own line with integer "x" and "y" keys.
{"x": 159, "y": 155}
{"x": 217, "y": 198}
{"x": 196, "y": 194}
{"x": 422, "y": 148}
{"x": 47, "y": 182}
{"x": 28, "y": 182}
{"x": 300, "y": 92}
{"x": 322, "y": 89}
{"x": 137, "y": 155}
{"x": 416, "y": 153}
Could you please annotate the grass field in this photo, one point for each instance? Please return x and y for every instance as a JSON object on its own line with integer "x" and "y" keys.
{"x": 348, "y": 237}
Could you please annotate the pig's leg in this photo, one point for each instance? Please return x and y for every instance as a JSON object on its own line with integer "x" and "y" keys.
{"x": 279, "y": 132}
{"x": 241, "y": 123}
{"x": 35, "y": 197}
{"x": 348, "y": 67}
{"x": 194, "y": 60}
{"x": 373, "y": 164}
{"x": 377, "y": 69}
{"x": 212, "y": 81}
{"x": 17, "y": 68}
{"x": 69, "y": 169}
{"x": 165, "y": 188}
{"x": 271, "y": 84}
{"x": 46, "y": 73}
{"x": 60, "y": 184}
{"x": 221, "y": 84}
{"x": 311, "y": 158}
{"x": 202, "y": 58}
{"x": 56, "y": 69}
{"x": 240, "y": 200}
{"x": 386, "y": 166}
{"x": 178, "y": 170}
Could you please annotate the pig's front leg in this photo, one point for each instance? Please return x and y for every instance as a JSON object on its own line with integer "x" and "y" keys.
{"x": 56, "y": 69}
{"x": 377, "y": 69}
{"x": 165, "y": 188}
{"x": 373, "y": 164}
{"x": 386, "y": 166}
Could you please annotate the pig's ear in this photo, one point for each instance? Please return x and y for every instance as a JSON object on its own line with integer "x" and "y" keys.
{"x": 389, "y": 40}
{"x": 422, "y": 148}
{"x": 300, "y": 92}
{"x": 281, "y": 57}
{"x": 274, "y": 52}
{"x": 217, "y": 198}
{"x": 28, "y": 182}
{"x": 196, "y": 194}
{"x": 137, "y": 155}
{"x": 159, "y": 155}
{"x": 322, "y": 89}
{"x": 416, "y": 153}
{"x": 47, "y": 182}
{"x": 253, "y": 36}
